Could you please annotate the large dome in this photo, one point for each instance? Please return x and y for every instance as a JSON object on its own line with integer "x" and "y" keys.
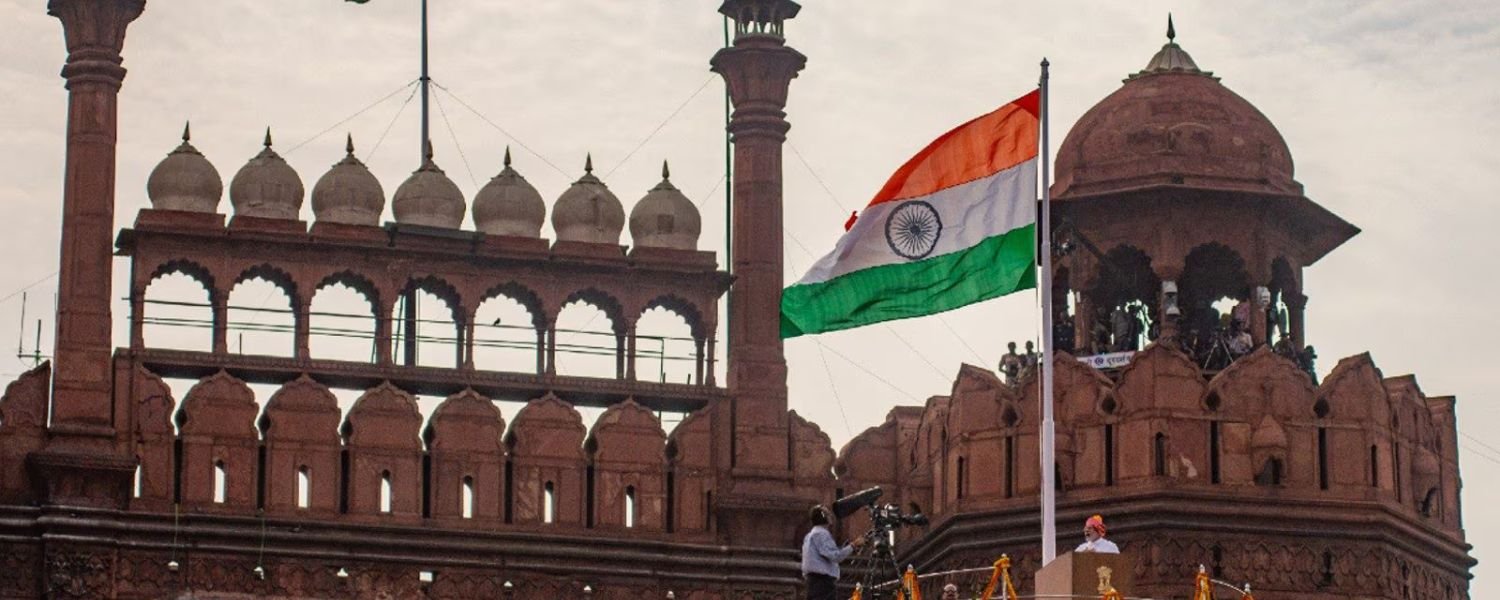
{"x": 1173, "y": 124}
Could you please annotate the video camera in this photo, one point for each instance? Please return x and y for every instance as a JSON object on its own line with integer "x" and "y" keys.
{"x": 884, "y": 518}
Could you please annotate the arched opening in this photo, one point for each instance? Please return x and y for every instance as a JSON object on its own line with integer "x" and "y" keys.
{"x": 506, "y": 337}
{"x": 1430, "y": 503}
{"x": 1322, "y": 458}
{"x": 429, "y": 326}
{"x": 304, "y": 487}
{"x": 549, "y": 503}
{"x": 1159, "y": 455}
{"x": 666, "y": 350}
{"x": 341, "y": 320}
{"x": 959, "y": 478}
{"x": 1278, "y": 314}
{"x": 385, "y": 492}
{"x": 1213, "y": 296}
{"x": 1327, "y": 572}
{"x": 589, "y": 343}
{"x": 629, "y": 506}
{"x": 136, "y": 491}
{"x": 466, "y": 498}
{"x": 260, "y": 318}
{"x": 221, "y": 483}
{"x": 1270, "y": 472}
{"x": 1374, "y": 466}
{"x": 178, "y": 312}
{"x": 1123, "y": 302}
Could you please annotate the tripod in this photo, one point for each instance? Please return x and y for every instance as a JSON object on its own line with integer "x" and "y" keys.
{"x": 880, "y": 562}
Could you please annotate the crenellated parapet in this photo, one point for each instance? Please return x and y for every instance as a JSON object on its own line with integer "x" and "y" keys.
{"x": 1162, "y": 443}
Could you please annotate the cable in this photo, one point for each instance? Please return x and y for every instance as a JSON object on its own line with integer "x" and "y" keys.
{"x": 872, "y": 374}
{"x": 371, "y": 156}
{"x": 664, "y": 122}
{"x": 502, "y": 130}
{"x": 28, "y": 286}
{"x": 457, "y": 145}
{"x": 351, "y": 117}
{"x": 849, "y": 431}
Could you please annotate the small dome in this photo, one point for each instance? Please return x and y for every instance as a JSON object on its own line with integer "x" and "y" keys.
{"x": 665, "y": 218}
{"x": 588, "y": 212}
{"x": 429, "y": 198}
{"x": 266, "y": 187}
{"x": 348, "y": 193}
{"x": 1173, "y": 123}
{"x": 185, "y": 180}
{"x": 509, "y": 205}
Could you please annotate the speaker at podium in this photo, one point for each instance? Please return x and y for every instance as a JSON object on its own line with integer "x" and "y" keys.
{"x": 1086, "y": 574}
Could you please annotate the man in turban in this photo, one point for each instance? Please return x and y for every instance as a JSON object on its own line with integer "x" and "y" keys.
{"x": 1093, "y": 533}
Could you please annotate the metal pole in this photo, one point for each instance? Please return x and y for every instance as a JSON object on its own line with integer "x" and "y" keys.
{"x": 426, "y": 81}
{"x": 1049, "y": 460}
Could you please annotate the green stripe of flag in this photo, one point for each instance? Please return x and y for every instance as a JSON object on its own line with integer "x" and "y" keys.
{"x": 999, "y": 265}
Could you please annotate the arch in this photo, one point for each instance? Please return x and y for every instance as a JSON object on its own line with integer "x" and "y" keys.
{"x": 428, "y": 349}
{"x": 585, "y": 350}
{"x": 335, "y": 331}
{"x": 1211, "y": 273}
{"x": 271, "y": 274}
{"x": 604, "y": 301}
{"x": 509, "y": 330}
{"x": 184, "y": 266}
{"x": 257, "y": 323}
{"x": 680, "y": 306}
{"x": 1123, "y": 301}
{"x": 353, "y": 280}
{"x": 171, "y": 307}
{"x": 1278, "y": 313}
{"x": 521, "y": 294}
{"x": 668, "y": 345}
{"x": 437, "y": 286}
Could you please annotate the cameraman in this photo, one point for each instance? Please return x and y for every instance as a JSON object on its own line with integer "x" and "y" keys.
{"x": 821, "y": 556}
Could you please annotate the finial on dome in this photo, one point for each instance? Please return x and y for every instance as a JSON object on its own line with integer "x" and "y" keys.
{"x": 267, "y": 143}
{"x": 588, "y": 163}
{"x": 1171, "y": 30}
{"x": 666, "y": 172}
{"x": 427, "y": 151}
{"x": 507, "y": 156}
{"x": 349, "y": 144}
{"x": 187, "y": 131}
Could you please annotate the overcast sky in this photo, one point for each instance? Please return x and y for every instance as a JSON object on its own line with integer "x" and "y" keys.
{"x": 1388, "y": 107}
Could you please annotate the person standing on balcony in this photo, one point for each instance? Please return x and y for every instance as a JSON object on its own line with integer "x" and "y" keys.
{"x": 1093, "y": 533}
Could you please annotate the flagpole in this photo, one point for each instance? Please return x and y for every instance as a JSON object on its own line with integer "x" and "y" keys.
{"x": 1048, "y": 450}
{"x": 426, "y": 80}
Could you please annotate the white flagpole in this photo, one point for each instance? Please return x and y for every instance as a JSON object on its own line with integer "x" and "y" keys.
{"x": 1049, "y": 486}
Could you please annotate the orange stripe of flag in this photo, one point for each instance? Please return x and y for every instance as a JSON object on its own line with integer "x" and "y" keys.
{"x": 982, "y": 147}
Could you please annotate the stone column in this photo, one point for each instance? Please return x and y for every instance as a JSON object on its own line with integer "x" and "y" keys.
{"x": 630, "y": 350}
{"x": 138, "y": 318}
{"x": 383, "y": 329}
{"x": 541, "y": 351}
{"x": 758, "y": 69}
{"x": 219, "y": 300}
{"x": 302, "y": 327}
{"x": 1296, "y": 303}
{"x": 551, "y": 346}
{"x": 756, "y": 503}
{"x": 466, "y": 356}
{"x": 79, "y": 467}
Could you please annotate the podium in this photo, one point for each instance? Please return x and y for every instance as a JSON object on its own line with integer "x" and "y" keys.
{"x": 1083, "y": 573}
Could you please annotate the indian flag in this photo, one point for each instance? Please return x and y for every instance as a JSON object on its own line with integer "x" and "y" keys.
{"x": 955, "y": 225}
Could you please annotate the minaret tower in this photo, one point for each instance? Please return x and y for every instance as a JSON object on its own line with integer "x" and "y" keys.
{"x": 82, "y": 428}
{"x": 758, "y": 69}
